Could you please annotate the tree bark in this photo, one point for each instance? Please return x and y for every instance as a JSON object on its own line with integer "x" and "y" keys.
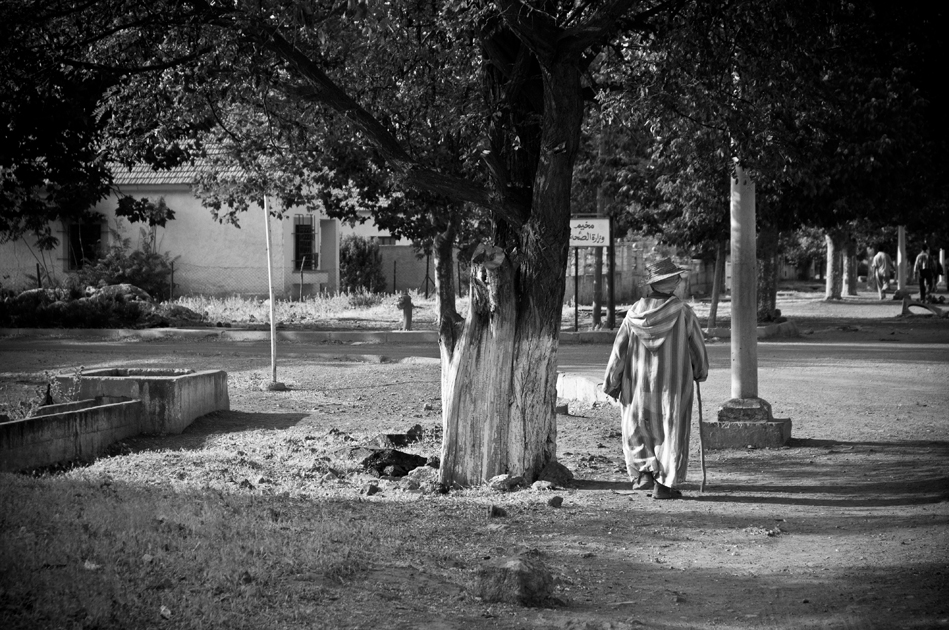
{"x": 767, "y": 272}
{"x": 834, "y": 268}
{"x": 501, "y": 391}
{"x": 449, "y": 320}
{"x": 718, "y": 282}
{"x": 850, "y": 266}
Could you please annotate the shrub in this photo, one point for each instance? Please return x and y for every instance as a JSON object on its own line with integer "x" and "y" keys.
{"x": 144, "y": 268}
{"x": 360, "y": 265}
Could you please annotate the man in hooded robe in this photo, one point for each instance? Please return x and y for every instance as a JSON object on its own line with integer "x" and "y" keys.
{"x": 658, "y": 352}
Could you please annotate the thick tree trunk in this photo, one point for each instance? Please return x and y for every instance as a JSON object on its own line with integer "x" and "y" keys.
{"x": 718, "y": 281}
{"x": 449, "y": 321}
{"x": 767, "y": 272}
{"x": 834, "y": 268}
{"x": 850, "y": 266}
{"x": 501, "y": 391}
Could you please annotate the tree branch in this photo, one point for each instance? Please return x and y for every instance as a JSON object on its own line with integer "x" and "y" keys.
{"x": 321, "y": 89}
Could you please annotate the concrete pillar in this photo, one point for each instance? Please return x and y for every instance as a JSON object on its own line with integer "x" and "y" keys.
{"x": 901, "y": 263}
{"x": 744, "y": 305}
{"x": 944, "y": 278}
{"x": 744, "y": 420}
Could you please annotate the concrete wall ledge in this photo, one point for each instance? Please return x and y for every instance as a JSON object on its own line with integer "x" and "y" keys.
{"x": 172, "y": 398}
{"x": 70, "y": 434}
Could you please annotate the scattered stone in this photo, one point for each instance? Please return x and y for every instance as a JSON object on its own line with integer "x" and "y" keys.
{"x": 378, "y": 461}
{"x": 433, "y": 462}
{"x": 543, "y": 486}
{"x": 424, "y": 480}
{"x": 496, "y": 512}
{"x": 555, "y": 502}
{"x": 556, "y": 473}
{"x": 394, "y": 471}
{"x": 522, "y": 580}
{"x": 370, "y": 489}
{"x": 391, "y": 440}
{"x": 381, "y": 441}
{"x": 505, "y": 483}
{"x": 122, "y": 293}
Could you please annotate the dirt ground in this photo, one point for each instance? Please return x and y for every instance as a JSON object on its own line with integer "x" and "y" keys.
{"x": 844, "y": 528}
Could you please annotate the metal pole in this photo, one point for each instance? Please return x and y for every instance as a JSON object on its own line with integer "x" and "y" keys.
{"x": 273, "y": 323}
{"x": 576, "y": 289}
{"x": 611, "y": 307}
{"x": 698, "y": 395}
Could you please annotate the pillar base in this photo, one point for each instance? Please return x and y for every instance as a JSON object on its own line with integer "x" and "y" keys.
{"x": 744, "y": 422}
{"x": 745, "y": 410}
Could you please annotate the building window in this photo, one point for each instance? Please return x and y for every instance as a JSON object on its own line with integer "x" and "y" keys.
{"x": 384, "y": 240}
{"x": 83, "y": 244}
{"x": 304, "y": 242}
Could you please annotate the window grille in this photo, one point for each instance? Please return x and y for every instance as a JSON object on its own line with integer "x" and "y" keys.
{"x": 305, "y": 256}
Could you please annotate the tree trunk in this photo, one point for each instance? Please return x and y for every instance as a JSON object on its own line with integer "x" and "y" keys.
{"x": 767, "y": 273}
{"x": 718, "y": 280}
{"x": 834, "y": 268}
{"x": 597, "y": 287}
{"x": 850, "y": 266}
{"x": 449, "y": 321}
{"x": 501, "y": 391}
{"x": 602, "y": 207}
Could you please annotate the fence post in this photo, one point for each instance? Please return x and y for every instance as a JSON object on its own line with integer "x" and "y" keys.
{"x": 302, "y": 265}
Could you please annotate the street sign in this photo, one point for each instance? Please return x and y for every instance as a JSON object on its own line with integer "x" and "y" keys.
{"x": 589, "y": 232}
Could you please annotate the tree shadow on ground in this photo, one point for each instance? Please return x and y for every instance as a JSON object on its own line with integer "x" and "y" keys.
{"x": 214, "y": 424}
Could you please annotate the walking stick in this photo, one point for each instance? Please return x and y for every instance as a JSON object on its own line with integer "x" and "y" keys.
{"x": 698, "y": 394}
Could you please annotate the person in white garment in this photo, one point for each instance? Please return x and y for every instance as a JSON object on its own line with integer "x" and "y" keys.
{"x": 658, "y": 353}
{"x": 881, "y": 266}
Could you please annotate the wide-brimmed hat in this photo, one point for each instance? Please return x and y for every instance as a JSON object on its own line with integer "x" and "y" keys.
{"x": 662, "y": 269}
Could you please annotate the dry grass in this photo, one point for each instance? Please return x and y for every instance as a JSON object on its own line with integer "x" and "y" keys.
{"x": 355, "y": 307}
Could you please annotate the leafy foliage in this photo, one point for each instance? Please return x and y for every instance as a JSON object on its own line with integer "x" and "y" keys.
{"x": 52, "y": 168}
{"x": 144, "y": 211}
{"x": 145, "y": 268}
{"x": 360, "y": 265}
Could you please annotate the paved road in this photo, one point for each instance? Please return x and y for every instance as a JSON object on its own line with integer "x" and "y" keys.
{"x": 580, "y": 358}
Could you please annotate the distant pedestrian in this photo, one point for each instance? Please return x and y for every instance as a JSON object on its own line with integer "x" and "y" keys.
{"x": 881, "y": 267}
{"x": 657, "y": 354}
{"x": 934, "y": 275}
{"x": 404, "y": 303}
{"x": 922, "y": 271}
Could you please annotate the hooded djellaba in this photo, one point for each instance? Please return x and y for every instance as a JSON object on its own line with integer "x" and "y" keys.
{"x": 657, "y": 354}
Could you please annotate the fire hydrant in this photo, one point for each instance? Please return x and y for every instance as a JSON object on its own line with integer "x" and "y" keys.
{"x": 405, "y": 303}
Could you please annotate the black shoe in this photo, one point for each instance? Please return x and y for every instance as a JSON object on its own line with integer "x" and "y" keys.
{"x": 645, "y": 481}
{"x": 665, "y": 492}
